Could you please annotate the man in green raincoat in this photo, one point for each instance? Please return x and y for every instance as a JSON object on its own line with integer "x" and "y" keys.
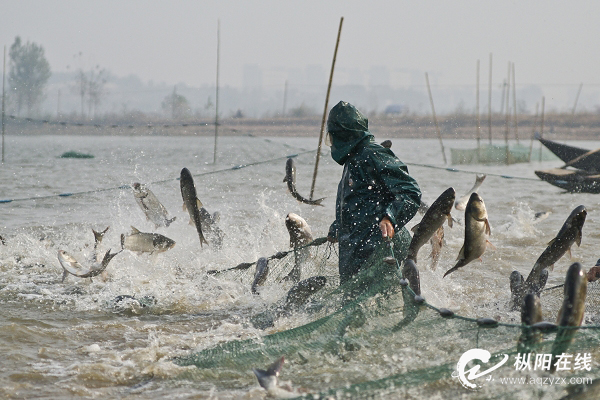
{"x": 376, "y": 196}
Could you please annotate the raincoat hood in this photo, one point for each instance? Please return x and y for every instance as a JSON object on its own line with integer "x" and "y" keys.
{"x": 348, "y": 129}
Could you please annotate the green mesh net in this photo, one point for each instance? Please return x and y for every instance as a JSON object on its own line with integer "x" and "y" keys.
{"x": 372, "y": 338}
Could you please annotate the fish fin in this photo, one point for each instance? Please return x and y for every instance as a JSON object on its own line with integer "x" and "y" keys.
{"x": 415, "y": 228}
{"x": 134, "y": 230}
{"x": 184, "y": 207}
{"x": 285, "y": 179}
{"x": 487, "y": 242}
{"x": 169, "y": 221}
{"x": 191, "y": 222}
{"x": 461, "y": 253}
{"x": 449, "y": 220}
{"x": 551, "y": 267}
{"x": 578, "y": 239}
{"x": 488, "y": 230}
{"x": 570, "y": 254}
{"x": 552, "y": 241}
{"x": 200, "y": 205}
{"x": 64, "y": 275}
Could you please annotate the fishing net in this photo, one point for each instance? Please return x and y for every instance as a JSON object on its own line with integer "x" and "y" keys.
{"x": 373, "y": 338}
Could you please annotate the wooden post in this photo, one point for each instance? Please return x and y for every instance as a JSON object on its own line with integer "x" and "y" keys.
{"x": 542, "y": 124}
{"x": 3, "y": 100}
{"x": 285, "y": 93}
{"x": 478, "y": 119}
{"x": 217, "y": 92}
{"x": 515, "y": 123}
{"x": 337, "y": 43}
{"x": 537, "y": 109}
{"x": 437, "y": 127}
{"x": 490, "y": 102}
{"x": 507, "y": 119}
{"x": 574, "y": 108}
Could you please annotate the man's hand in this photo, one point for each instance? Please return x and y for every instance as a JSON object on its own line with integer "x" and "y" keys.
{"x": 387, "y": 229}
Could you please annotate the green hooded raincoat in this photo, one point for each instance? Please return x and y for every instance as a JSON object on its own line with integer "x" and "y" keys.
{"x": 374, "y": 184}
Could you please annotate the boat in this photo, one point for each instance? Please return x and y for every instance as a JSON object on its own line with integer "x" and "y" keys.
{"x": 575, "y": 157}
{"x": 571, "y": 180}
{"x": 581, "y": 172}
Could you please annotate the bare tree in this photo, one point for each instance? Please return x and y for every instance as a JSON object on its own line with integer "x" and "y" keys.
{"x": 96, "y": 81}
{"x": 29, "y": 73}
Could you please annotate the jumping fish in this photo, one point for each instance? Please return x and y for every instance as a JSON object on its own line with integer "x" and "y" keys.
{"x": 300, "y": 235}
{"x": 477, "y": 230}
{"x": 387, "y": 144}
{"x": 260, "y": 274}
{"x": 295, "y": 299}
{"x": 142, "y": 242}
{"x": 191, "y": 202}
{"x": 152, "y": 208}
{"x": 593, "y": 273}
{"x": 531, "y": 313}
{"x": 98, "y": 236}
{"x": 432, "y": 221}
{"x": 71, "y": 266}
{"x": 517, "y": 288}
{"x": 570, "y": 232}
{"x": 461, "y": 203}
{"x": 269, "y": 381}
{"x": 290, "y": 178}
{"x": 572, "y": 310}
{"x": 411, "y": 273}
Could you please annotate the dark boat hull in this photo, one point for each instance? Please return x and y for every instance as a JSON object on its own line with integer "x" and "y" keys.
{"x": 568, "y": 154}
{"x": 575, "y": 181}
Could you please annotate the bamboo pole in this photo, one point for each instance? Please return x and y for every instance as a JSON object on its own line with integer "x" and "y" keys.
{"x": 3, "y": 100}
{"x": 537, "y": 109}
{"x": 574, "y": 108}
{"x": 285, "y": 93}
{"x": 217, "y": 92}
{"x": 490, "y": 102}
{"x": 478, "y": 119}
{"x": 437, "y": 127}
{"x": 507, "y": 119}
{"x": 515, "y": 123}
{"x": 337, "y": 43}
{"x": 542, "y": 124}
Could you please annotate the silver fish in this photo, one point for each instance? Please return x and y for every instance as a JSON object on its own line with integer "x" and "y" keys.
{"x": 432, "y": 221}
{"x": 268, "y": 380}
{"x": 142, "y": 242}
{"x": 570, "y": 232}
{"x": 191, "y": 202}
{"x": 477, "y": 230}
{"x": 98, "y": 236}
{"x": 260, "y": 274}
{"x": 462, "y": 202}
{"x": 71, "y": 266}
{"x": 572, "y": 310}
{"x": 152, "y": 208}
{"x": 300, "y": 235}
{"x": 290, "y": 178}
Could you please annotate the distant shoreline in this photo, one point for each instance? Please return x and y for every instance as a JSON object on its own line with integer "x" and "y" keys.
{"x": 556, "y": 127}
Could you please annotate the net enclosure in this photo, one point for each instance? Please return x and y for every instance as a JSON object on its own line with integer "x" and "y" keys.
{"x": 374, "y": 338}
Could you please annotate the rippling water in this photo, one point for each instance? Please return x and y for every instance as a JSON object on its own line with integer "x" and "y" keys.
{"x": 61, "y": 340}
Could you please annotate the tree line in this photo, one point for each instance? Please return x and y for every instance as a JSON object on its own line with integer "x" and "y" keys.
{"x": 29, "y": 72}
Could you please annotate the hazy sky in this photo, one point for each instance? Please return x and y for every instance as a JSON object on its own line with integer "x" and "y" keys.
{"x": 553, "y": 43}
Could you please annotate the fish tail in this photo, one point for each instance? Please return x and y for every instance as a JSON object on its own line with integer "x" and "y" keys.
{"x": 459, "y": 264}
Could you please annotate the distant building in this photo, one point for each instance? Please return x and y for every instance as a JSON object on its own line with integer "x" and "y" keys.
{"x": 395, "y": 109}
